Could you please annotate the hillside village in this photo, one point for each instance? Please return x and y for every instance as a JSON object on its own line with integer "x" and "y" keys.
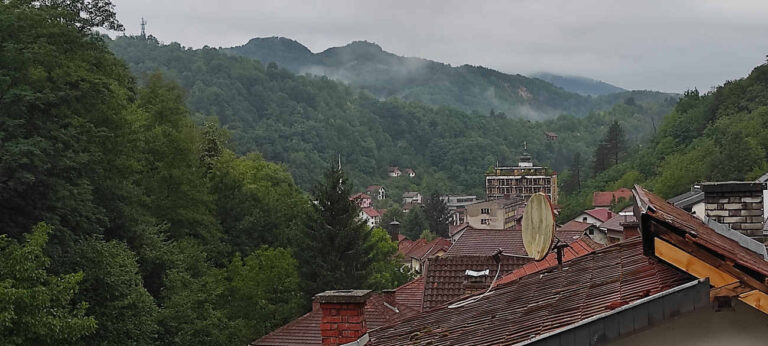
{"x": 153, "y": 193}
{"x": 699, "y": 257}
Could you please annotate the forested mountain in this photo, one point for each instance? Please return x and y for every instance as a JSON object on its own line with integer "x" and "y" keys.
{"x": 124, "y": 221}
{"x": 579, "y": 85}
{"x": 717, "y": 136}
{"x": 306, "y": 121}
{"x": 470, "y": 88}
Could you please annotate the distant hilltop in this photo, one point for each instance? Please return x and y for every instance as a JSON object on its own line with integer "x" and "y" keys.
{"x": 366, "y": 65}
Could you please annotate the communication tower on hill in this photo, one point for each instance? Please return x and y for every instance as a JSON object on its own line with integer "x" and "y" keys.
{"x": 143, "y": 26}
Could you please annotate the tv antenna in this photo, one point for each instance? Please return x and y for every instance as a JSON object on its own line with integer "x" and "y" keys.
{"x": 538, "y": 226}
{"x": 143, "y": 26}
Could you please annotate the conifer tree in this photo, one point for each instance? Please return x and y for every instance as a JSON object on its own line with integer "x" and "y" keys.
{"x": 335, "y": 247}
{"x": 437, "y": 215}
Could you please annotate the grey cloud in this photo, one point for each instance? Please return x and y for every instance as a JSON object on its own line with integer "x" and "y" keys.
{"x": 661, "y": 45}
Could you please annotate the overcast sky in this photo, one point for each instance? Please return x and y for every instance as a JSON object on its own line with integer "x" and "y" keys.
{"x": 666, "y": 45}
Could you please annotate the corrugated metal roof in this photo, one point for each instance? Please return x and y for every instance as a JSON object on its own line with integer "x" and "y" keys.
{"x": 541, "y": 302}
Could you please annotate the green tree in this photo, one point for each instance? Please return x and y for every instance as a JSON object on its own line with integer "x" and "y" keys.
{"x": 262, "y": 293}
{"x": 415, "y": 223}
{"x": 113, "y": 288}
{"x": 37, "y": 308}
{"x": 573, "y": 183}
{"x": 437, "y": 214}
{"x": 386, "y": 270}
{"x": 336, "y": 242}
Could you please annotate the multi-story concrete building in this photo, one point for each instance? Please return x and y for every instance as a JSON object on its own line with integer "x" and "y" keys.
{"x": 522, "y": 180}
{"x": 495, "y": 214}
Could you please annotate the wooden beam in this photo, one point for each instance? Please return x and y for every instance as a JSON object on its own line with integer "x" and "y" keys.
{"x": 730, "y": 290}
{"x": 694, "y": 250}
{"x": 691, "y": 264}
{"x": 756, "y": 299}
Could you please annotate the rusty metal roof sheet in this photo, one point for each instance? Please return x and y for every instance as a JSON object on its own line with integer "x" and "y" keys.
{"x": 541, "y": 302}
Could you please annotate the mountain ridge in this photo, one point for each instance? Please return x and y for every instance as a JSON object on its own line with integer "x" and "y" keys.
{"x": 368, "y": 66}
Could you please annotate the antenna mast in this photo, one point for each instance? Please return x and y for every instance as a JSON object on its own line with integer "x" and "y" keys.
{"x": 143, "y": 25}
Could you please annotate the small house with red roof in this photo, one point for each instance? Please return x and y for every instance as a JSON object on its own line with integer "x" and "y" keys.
{"x": 362, "y": 200}
{"x": 410, "y": 173}
{"x": 606, "y": 199}
{"x": 394, "y": 171}
{"x": 595, "y": 216}
{"x": 416, "y": 252}
{"x": 371, "y": 216}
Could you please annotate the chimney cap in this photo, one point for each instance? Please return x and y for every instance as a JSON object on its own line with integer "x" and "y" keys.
{"x": 343, "y": 296}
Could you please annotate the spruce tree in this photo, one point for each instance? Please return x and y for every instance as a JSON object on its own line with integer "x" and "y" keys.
{"x": 334, "y": 250}
{"x": 437, "y": 215}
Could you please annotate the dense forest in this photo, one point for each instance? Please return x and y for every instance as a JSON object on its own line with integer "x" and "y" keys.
{"x": 716, "y": 136}
{"x": 124, "y": 221}
{"x": 579, "y": 85}
{"x": 469, "y": 88}
{"x": 305, "y": 122}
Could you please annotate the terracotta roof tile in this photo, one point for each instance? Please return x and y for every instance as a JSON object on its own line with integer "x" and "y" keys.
{"x": 411, "y": 293}
{"x": 614, "y": 223}
{"x": 483, "y": 242}
{"x": 444, "y": 276}
{"x": 698, "y": 232}
{"x": 540, "y": 302}
{"x": 601, "y": 214}
{"x": 578, "y": 248}
{"x": 421, "y": 248}
{"x": 604, "y": 198}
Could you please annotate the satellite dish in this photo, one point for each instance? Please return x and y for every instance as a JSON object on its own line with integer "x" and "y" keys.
{"x": 538, "y": 226}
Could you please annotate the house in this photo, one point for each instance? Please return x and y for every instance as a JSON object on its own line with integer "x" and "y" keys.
{"x": 607, "y": 199}
{"x": 410, "y": 173}
{"x": 738, "y": 204}
{"x": 458, "y": 201}
{"x": 379, "y": 309}
{"x": 595, "y": 216}
{"x": 456, "y": 231}
{"x": 575, "y": 229}
{"x": 494, "y": 214}
{"x": 409, "y": 206}
{"x": 411, "y": 197}
{"x": 394, "y": 171}
{"x": 621, "y": 226}
{"x": 371, "y": 216}
{"x": 416, "y": 252}
{"x": 764, "y": 179}
{"x": 361, "y": 199}
{"x": 682, "y": 282}
{"x": 691, "y": 201}
{"x": 550, "y": 136}
{"x": 377, "y": 191}
{"x": 457, "y": 216}
{"x": 523, "y": 180}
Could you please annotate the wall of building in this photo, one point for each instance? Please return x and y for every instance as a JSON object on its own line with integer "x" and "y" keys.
{"x": 744, "y": 326}
{"x": 589, "y": 219}
{"x": 475, "y": 216}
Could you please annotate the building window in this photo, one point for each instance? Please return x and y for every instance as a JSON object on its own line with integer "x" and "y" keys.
{"x": 485, "y": 221}
{"x": 591, "y": 231}
{"x": 485, "y": 210}
{"x": 584, "y": 219}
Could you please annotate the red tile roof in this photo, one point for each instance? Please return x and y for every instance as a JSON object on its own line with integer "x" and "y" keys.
{"x": 698, "y": 232}
{"x": 602, "y": 214}
{"x": 422, "y": 249}
{"x": 373, "y": 188}
{"x": 578, "y": 248}
{"x": 483, "y": 242}
{"x": 305, "y": 330}
{"x": 411, "y": 294}
{"x": 359, "y": 196}
{"x": 542, "y": 302}
{"x": 444, "y": 276}
{"x": 605, "y": 198}
{"x": 614, "y": 224}
{"x": 371, "y": 212}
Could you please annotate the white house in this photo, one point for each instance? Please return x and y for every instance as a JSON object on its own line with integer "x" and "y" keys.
{"x": 377, "y": 191}
{"x": 410, "y": 197}
{"x": 595, "y": 216}
{"x": 410, "y": 173}
{"x": 371, "y": 216}
{"x": 394, "y": 172}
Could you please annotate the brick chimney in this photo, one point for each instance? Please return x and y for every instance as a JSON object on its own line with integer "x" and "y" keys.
{"x": 343, "y": 318}
{"x": 738, "y": 204}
